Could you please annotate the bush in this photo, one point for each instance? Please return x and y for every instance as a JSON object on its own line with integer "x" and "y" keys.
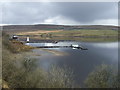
{"x": 60, "y": 77}
{"x": 26, "y": 77}
{"x": 14, "y": 46}
{"x": 103, "y": 76}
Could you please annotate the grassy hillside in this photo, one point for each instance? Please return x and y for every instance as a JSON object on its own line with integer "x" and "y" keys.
{"x": 58, "y": 27}
{"x": 86, "y": 33}
{"x": 77, "y": 35}
{"x": 71, "y": 32}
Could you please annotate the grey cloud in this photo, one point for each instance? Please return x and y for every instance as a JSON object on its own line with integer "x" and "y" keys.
{"x": 89, "y": 11}
{"x": 26, "y": 13}
{"x": 29, "y": 12}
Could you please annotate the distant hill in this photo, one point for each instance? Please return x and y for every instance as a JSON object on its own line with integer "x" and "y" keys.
{"x": 58, "y": 27}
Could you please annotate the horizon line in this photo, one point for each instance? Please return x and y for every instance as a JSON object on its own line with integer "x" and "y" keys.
{"x": 60, "y": 24}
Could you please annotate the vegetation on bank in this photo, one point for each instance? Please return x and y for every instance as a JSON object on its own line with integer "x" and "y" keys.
{"x": 27, "y": 75}
{"x": 14, "y": 45}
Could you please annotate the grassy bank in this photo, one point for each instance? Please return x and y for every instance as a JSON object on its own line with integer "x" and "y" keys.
{"x": 80, "y": 39}
{"x": 84, "y": 33}
{"x": 77, "y": 35}
{"x": 13, "y": 45}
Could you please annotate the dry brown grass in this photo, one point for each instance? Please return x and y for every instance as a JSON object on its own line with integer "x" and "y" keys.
{"x": 38, "y": 32}
{"x": 19, "y": 46}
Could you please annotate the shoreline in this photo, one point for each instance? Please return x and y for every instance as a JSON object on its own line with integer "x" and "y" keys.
{"x": 55, "y": 52}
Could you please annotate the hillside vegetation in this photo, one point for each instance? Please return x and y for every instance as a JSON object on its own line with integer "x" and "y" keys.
{"x": 87, "y": 33}
{"x": 58, "y": 27}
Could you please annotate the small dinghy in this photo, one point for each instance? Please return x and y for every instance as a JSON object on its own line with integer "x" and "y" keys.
{"x": 78, "y": 47}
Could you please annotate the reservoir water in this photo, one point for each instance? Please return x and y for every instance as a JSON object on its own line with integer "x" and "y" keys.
{"x": 81, "y": 62}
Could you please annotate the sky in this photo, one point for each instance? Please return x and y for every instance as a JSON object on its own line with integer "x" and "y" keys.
{"x": 60, "y": 13}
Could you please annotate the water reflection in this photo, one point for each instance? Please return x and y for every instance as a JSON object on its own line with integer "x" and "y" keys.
{"x": 107, "y": 45}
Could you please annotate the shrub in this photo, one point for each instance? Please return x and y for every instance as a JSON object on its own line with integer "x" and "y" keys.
{"x": 103, "y": 76}
{"x": 14, "y": 46}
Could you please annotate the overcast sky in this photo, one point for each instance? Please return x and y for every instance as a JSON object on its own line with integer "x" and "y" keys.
{"x": 62, "y": 13}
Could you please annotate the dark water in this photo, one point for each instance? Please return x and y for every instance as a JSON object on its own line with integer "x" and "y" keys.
{"x": 81, "y": 62}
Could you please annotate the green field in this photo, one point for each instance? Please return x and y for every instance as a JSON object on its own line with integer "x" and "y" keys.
{"x": 86, "y": 33}
{"x": 77, "y": 35}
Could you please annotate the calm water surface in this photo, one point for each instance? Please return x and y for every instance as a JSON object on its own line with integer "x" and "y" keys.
{"x": 81, "y": 62}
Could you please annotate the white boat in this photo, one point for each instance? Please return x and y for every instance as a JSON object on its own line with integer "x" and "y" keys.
{"x": 74, "y": 46}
